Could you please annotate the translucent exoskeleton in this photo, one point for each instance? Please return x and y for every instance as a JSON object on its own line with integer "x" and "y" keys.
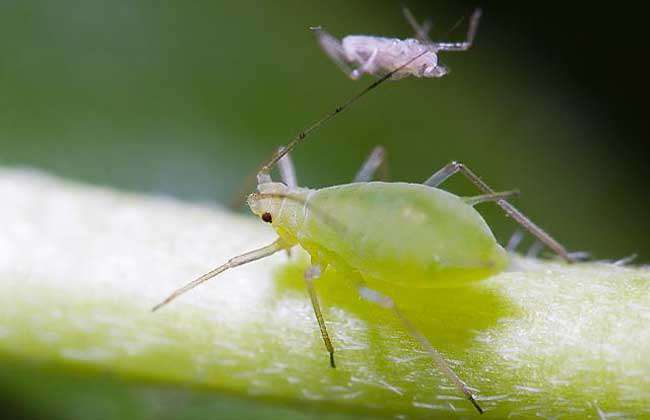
{"x": 376, "y": 55}
{"x": 433, "y": 238}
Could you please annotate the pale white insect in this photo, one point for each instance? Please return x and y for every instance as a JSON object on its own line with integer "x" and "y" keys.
{"x": 376, "y": 55}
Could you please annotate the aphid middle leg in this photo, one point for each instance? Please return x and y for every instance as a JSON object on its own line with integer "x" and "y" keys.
{"x": 288, "y": 177}
{"x": 312, "y": 273}
{"x": 454, "y": 167}
{"x": 515, "y": 240}
{"x": 365, "y": 67}
{"x": 461, "y": 46}
{"x": 388, "y": 303}
{"x": 535, "y": 249}
{"x": 287, "y": 171}
{"x": 375, "y": 160}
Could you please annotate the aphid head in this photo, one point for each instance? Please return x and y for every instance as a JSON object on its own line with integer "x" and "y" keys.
{"x": 267, "y": 203}
{"x": 280, "y": 206}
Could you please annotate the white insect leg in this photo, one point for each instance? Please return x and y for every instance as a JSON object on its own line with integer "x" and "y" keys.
{"x": 375, "y": 160}
{"x": 514, "y": 241}
{"x": 333, "y": 49}
{"x": 441, "y": 363}
{"x": 535, "y": 249}
{"x": 421, "y": 32}
{"x": 287, "y": 174}
{"x": 461, "y": 46}
{"x": 455, "y": 167}
{"x": 312, "y": 273}
{"x": 242, "y": 259}
{"x": 287, "y": 171}
{"x": 484, "y": 198}
{"x": 288, "y": 177}
{"x": 365, "y": 67}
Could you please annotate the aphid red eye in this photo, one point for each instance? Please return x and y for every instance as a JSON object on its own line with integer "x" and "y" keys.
{"x": 267, "y": 217}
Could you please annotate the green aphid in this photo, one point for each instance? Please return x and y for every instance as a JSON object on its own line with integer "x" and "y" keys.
{"x": 380, "y": 233}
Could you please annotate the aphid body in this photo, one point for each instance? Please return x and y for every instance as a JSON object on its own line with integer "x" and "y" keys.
{"x": 377, "y": 55}
{"x": 409, "y": 234}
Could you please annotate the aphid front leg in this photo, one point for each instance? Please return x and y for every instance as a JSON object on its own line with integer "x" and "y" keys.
{"x": 454, "y": 167}
{"x": 288, "y": 177}
{"x": 312, "y": 273}
{"x": 287, "y": 171}
{"x": 441, "y": 363}
{"x": 421, "y": 31}
{"x": 375, "y": 160}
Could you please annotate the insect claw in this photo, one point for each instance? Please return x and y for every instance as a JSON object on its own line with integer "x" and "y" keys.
{"x": 332, "y": 363}
{"x": 475, "y": 404}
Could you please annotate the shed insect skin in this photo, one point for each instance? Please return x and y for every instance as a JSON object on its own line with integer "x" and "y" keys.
{"x": 376, "y": 55}
{"x": 375, "y": 232}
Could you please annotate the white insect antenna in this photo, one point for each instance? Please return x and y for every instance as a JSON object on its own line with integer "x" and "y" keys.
{"x": 257, "y": 254}
{"x": 263, "y": 174}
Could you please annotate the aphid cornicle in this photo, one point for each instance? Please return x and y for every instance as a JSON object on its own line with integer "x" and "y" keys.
{"x": 414, "y": 234}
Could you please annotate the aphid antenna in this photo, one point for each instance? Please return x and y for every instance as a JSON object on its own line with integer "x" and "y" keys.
{"x": 263, "y": 174}
{"x": 454, "y": 26}
{"x": 254, "y": 255}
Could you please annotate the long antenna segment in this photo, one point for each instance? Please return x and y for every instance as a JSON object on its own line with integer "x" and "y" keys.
{"x": 264, "y": 170}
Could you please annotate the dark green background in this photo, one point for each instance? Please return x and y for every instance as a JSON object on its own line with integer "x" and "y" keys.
{"x": 187, "y": 98}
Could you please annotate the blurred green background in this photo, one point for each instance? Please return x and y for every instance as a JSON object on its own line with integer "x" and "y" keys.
{"x": 187, "y": 98}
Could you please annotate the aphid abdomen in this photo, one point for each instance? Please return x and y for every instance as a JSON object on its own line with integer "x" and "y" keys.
{"x": 401, "y": 233}
{"x": 391, "y": 53}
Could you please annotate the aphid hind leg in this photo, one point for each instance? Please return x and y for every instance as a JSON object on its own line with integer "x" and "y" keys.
{"x": 375, "y": 160}
{"x": 454, "y": 167}
{"x": 388, "y": 303}
{"x": 312, "y": 273}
